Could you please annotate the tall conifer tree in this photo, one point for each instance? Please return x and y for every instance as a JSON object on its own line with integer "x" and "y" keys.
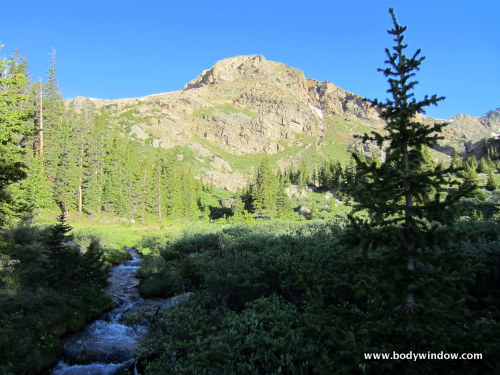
{"x": 263, "y": 191}
{"x": 414, "y": 284}
{"x": 95, "y": 164}
{"x": 14, "y": 114}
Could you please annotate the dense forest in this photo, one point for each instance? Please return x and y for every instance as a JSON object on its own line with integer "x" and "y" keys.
{"x": 396, "y": 253}
{"x": 77, "y": 157}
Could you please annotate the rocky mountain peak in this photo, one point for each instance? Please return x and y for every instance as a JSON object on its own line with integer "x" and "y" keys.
{"x": 249, "y": 68}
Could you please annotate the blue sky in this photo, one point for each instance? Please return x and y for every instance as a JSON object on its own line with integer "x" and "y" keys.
{"x": 113, "y": 49}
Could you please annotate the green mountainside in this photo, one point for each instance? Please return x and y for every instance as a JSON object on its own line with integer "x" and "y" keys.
{"x": 244, "y": 107}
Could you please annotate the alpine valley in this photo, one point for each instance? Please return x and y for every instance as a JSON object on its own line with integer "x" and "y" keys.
{"x": 255, "y": 222}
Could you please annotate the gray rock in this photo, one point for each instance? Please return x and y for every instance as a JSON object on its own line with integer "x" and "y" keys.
{"x": 91, "y": 369}
{"x": 177, "y": 300}
{"x": 305, "y": 211}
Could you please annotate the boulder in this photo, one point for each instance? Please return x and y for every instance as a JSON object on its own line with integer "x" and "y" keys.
{"x": 177, "y": 300}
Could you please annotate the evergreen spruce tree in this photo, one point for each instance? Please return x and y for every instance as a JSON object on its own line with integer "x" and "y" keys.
{"x": 456, "y": 159}
{"x": 191, "y": 189}
{"x": 174, "y": 187}
{"x": 410, "y": 295}
{"x": 470, "y": 176}
{"x": 68, "y": 172}
{"x": 114, "y": 199}
{"x": 62, "y": 261}
{"x": 14, "y": 114}
{"x": 349, "y": 173}
{"x": 304, "y": 173}
{"x": 158, "y": 185}
{"x": 55, "y": 129}
{"x": 323, "y": 176}
{"x": 263, "y": 190}
{"x": 491, "y": 183}
{"x": 283, "y": 207}
{"x": 314, "y": 211}
{"x": 95, "y": 164}
{"x": 81, "y": 125}
{"x": 34, "y": 190}
{"x": 92, "y": 267}
{"x": 337, "y": 175}
{"x": 131, "y": 176}
{"x": 238, "y": 208}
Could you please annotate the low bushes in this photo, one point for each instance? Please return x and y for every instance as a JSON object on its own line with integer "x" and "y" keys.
{"x": 286, "y": 298}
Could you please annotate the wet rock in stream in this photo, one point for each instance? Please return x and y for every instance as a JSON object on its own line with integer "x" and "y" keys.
{"x": 103, "y": 342}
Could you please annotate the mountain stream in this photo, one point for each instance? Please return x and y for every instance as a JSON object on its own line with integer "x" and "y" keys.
{"x": 106, "y": 346}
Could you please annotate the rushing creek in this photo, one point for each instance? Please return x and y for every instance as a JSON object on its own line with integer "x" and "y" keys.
{"x": 106, "y": 346}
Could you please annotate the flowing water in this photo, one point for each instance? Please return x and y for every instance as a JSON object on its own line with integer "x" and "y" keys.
{"x": 106, "y": 345}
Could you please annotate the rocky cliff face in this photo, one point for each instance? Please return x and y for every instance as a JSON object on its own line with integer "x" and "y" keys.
{"x": 252, "y": 105}
{"x": 249, "y": 105}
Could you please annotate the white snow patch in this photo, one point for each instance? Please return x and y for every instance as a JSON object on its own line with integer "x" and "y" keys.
{"x": 318, "y": 111}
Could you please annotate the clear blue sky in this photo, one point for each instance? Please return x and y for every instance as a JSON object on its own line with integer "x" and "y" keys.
{"x": 121, "y": 48}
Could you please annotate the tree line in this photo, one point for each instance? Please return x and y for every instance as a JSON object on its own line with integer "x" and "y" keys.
{"x": 266, "y": 193}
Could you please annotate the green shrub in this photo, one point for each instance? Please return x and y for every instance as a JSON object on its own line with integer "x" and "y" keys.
{"x": 268, "y": 337}
{"x": 48, "y": 290}
{"x": 153, "y": 243}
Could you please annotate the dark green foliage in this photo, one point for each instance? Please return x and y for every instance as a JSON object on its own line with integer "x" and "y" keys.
{"x": 456, "y": 159}
{"x": 47, "y": 290}
{"x": 239, "y": 325}
{"x": 412, "y": 293}
{"x": 222, "y": 262}
{"x": 281, "y": 294}
{"x": 268, "y": 337}
{"x": 94, "y": 165}
{"x": 283, "y": 209}
{"x": 483, "y": 240}
{"x": 92, "y": 265}
{"x": 61, "y": 257}
{"x": 331, "y": 175}
{"x": 492, "y": 147}
{"x": 34, "y": 322}
{"x": 470, "y": 178}
{"x": 153, "y": 243}
{"x": 65, "y": 264}
{"x": 240, "y": 214}
{"x": 34, "y": 190}
{"x": 486, "y": 165}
